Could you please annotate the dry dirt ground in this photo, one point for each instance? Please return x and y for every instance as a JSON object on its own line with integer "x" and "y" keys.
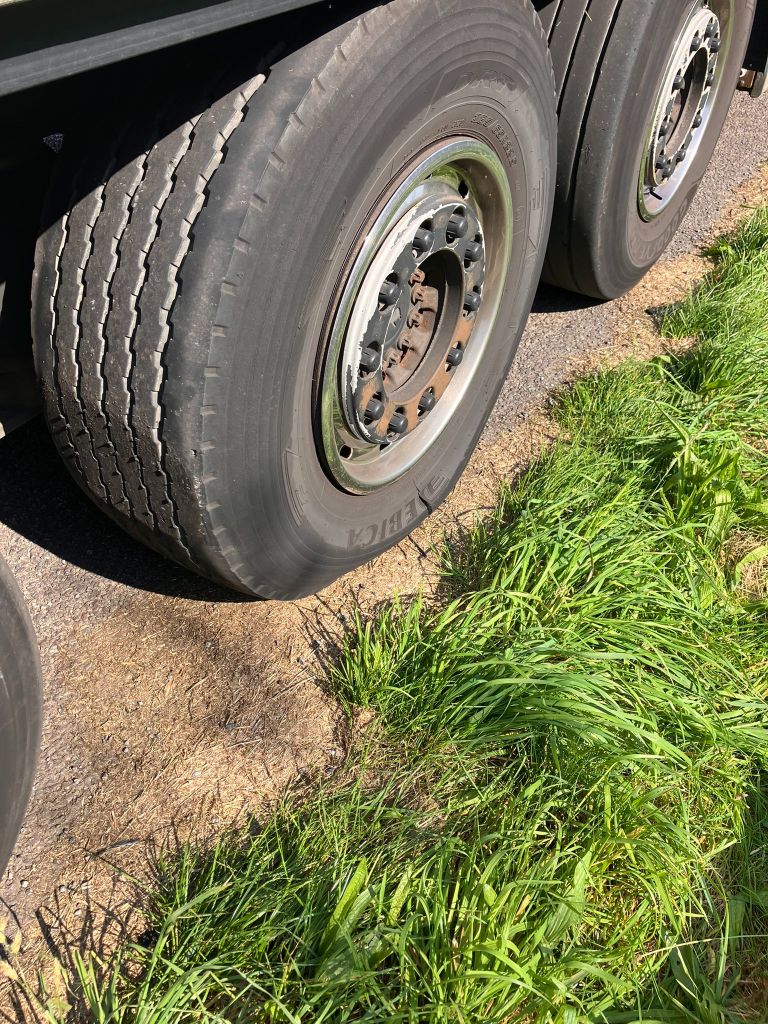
{"x": 173, "y": 708}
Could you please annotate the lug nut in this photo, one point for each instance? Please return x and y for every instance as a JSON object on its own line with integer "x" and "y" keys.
{"x": 710, "y": 29}
{"x": 389, "y": 293}
{"x": 678, "y": 83}
{"x": 698, "y": 120}
{"x": 458, "y": 226}
{"x": 374, "y": 410}
{"x": 473, "y": 252}
{"x": 472, "y": 301}
{"x": 696, "y": 43}
{"x": 369, "y": 360}
{"x": 716, "y": 45}
{"x": 398, "y": 424}
{"x": 423, "y": 240}
{"x": 454, "y": 357}
{"x": 428, "y": 402}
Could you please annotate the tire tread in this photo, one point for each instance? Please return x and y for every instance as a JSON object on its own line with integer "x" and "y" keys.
{"x": 111, "y": 268}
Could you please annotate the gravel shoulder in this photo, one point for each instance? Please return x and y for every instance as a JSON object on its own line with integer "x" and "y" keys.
{"x": 173, "y": 708}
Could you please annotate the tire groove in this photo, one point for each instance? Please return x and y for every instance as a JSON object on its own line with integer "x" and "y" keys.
{"x": 58, "y": 421}
{"x": 88, "y": 440}
{"x": 573, "y": 56}
{"x": 72, "y": 294}
{"x": 95, "y": 340}
{"x": 159, "y": 164}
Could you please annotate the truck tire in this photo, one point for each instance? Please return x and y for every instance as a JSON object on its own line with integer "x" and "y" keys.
{"x": 270, "y": 333}
{"x": 644, "y": 92}
{"x": 20, "y": 711}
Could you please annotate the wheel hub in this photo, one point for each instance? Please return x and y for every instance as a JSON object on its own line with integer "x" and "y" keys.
{"x": 682, "y": 109}
{"x": 416, "y": 339}
{"x": 415, "y": 315}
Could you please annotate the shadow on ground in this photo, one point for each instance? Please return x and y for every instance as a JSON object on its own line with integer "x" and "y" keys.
{"x": 40, "y": 501}
{"x": 555, "y": 300}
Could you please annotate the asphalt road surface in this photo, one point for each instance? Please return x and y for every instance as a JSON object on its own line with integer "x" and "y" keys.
{"x": 82, "y": 578}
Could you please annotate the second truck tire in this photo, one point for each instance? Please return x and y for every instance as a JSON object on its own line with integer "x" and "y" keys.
{"x": 270, "y": 324}
{"x": 644, "y": 90}
{"x": 20, "y": 710}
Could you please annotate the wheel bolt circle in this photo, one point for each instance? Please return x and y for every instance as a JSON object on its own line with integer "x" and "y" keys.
{"x": 682, "y": 101}
{"x": 375, "y": 413}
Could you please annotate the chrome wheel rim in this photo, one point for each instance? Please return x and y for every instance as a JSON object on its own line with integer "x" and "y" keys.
{"x": 415, "y": 314}
{"x": 684, "y": 104}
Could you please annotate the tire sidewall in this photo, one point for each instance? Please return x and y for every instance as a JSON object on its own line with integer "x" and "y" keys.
{"x": 20, "y": 710}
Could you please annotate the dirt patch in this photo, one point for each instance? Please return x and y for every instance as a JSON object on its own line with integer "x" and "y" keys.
{"x": 747, "y": 555}
{"x": 637, "y": 316}
{"x": 183, "y": 717}
{"x": 178, "y": 717}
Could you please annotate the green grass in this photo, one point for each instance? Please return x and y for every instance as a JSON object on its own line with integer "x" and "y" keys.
{"x": 559, "y": 812}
